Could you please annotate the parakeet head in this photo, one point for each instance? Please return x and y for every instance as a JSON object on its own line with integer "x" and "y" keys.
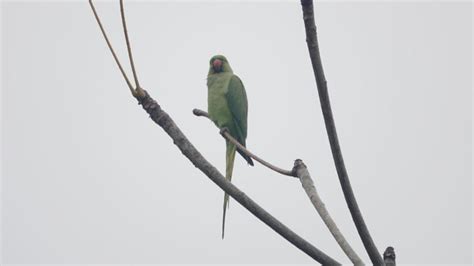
{"x": 219, "y": 64}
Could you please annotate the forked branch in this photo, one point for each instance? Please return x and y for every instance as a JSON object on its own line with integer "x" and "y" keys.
{"x": 129, "y": 47}
{"x": 117, "y": 61}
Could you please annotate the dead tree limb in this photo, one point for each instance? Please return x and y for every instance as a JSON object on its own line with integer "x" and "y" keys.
{"x": 313, "y": 47}
{"x": 161, "y": 118}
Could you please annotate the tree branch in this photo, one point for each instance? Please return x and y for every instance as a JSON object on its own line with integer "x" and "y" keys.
{"x": 129, "y": 47}
{"x": 117, "y": 61}
{"x": 160, "y": 117}
{"x": 302, "y": 172}
{"x": 239, "y": 146}
{"x": 313, "y": 47}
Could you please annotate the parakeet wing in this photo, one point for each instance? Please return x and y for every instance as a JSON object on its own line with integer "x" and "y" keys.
{"x": 237, "y": 102}
{"x": 238, "y": 106}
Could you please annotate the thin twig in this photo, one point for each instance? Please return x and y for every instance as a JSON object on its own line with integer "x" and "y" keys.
{"x": 305, "y": 178}
{"x": 313, "y": 47}
{"x": 239, "y": 146}
{"x": 160, "y": 117}
{"x": 111, "y": 49}
{"x": 129, "y": 48}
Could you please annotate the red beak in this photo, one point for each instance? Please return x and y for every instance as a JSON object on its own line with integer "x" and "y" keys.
{"x": 217, "y": 65}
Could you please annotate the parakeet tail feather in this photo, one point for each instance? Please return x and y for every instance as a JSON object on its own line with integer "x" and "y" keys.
{"x": 246, "y": 157}
{"x": 230, "y": 156}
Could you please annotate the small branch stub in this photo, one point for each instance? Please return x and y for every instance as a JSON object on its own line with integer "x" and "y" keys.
{"x": 298, "y": 163}
{"x": 389, "y": 257}
{"x": 198, "y": 112}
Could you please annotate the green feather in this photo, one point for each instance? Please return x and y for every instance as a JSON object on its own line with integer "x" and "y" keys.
{"x": 228, "y": 108}
{"x": 229, "y": 159}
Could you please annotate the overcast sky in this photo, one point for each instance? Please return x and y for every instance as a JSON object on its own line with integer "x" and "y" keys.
{"x": 87, "y": 177}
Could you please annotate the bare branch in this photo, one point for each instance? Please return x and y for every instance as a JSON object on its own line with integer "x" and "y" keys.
{"x": 129, "y": 48}
{"x": 313, "y": 47}
{"x": 239, "y": 146}
{"x": 111, "y": 49}
{"x": 161, "y": 118}
{"x": 302, "y": 172}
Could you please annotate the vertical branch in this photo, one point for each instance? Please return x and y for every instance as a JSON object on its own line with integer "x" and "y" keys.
{"x": 129, "y": 48}
{"x": 313, "y": 47}
{"x": 117, "y": 61}
{"x": 308, "y": 185}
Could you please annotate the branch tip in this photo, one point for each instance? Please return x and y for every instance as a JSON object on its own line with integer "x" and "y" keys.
{"x": 198, "y": 112}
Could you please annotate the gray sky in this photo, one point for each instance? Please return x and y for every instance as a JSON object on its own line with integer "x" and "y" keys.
{"x": 87, "y": 177}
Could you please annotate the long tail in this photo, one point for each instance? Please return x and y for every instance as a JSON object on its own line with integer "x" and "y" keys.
{"x": 229, "y": 158}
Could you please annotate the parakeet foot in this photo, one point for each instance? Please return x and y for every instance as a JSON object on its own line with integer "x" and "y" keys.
{"x": 223, "y": 131}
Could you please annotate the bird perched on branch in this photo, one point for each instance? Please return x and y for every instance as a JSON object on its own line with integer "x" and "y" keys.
{"x": 227, "y": 108}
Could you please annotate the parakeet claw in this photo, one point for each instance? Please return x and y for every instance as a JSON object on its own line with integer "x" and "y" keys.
{"x": 223, "y": 131}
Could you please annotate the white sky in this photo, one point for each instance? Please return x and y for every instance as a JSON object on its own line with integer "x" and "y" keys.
{"x": 87, "y": 177}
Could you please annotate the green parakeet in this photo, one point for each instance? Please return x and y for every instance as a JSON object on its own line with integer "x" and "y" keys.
{"x": 227, "y": 107}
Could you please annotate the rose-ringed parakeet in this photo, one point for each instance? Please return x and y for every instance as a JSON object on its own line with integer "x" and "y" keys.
{"x": 227, "y": 107}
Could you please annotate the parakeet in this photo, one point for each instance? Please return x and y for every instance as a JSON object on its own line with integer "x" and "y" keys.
{"x": 227, "y": 108}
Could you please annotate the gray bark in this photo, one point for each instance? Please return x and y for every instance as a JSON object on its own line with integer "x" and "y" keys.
{"x": 161, "y": 118}
{"x": 302, "y": 172}
{"x": 313, "y": 48}
{"x": 389, "y": 256}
